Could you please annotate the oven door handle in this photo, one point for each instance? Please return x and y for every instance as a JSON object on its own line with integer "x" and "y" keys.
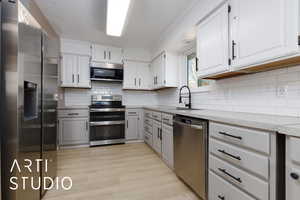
{"x": 107, "y": 123}
{"x": 107, "y": 110}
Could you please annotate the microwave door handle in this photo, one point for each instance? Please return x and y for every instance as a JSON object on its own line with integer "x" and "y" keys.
{"x": 104, "y": 55}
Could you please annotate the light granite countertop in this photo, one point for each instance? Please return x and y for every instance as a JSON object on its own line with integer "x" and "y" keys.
{"x": 273, "y": 123}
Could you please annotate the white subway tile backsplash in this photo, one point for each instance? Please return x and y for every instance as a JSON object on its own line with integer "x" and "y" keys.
{"x": 255, "y": 93}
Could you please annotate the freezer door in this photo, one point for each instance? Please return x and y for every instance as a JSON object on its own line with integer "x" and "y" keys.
{"x": 30, "y": 71}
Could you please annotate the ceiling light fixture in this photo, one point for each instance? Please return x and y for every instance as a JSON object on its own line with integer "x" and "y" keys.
{"x": 117, "y": 11}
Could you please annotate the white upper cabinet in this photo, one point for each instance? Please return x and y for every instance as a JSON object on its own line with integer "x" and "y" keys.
{"x": 75, "y": 71}
{"x": 68, "y": 70}
{"x": 212, "y": 43}
{"x": 136, "y": 75}
{"x": 83, "y": 79}
{"x": 115, "y": 55}
{"x": 107, "y": 54}
{"x": 262, "y": 30}
{"x": 75, "y": 64}
{"x": 99, "y": 53}
{"x": 164, "y": 70}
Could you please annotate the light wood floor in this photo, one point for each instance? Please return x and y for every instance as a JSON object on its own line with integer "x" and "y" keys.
{"x": 120, "y": 172}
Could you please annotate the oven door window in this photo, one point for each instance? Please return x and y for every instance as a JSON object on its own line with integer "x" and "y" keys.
{"x": 107, "y": 132}
{"x": 107, "y": 116}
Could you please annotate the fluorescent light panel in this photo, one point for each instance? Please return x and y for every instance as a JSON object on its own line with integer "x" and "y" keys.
{"x": 117, "y": 11}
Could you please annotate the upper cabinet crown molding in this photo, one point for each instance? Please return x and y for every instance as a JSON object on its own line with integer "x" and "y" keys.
{"x": 248, "y": 36}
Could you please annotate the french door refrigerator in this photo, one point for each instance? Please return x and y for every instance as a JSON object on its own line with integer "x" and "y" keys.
{"x": 29, "y": 63}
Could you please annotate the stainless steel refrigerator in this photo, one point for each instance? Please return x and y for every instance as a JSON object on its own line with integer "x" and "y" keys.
{"x": 29, "y": 95}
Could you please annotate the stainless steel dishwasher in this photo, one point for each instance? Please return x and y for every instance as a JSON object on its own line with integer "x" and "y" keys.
{"x": 191, "y": 153}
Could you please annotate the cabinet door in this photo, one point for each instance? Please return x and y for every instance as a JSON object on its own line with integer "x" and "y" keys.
{"x": 160, "y": 71}
{"x": 115, "y": 55}
{"x": 130, "y": 75}
{"x": 99, "y": 53}
{"x": 156, "y": 136}
{"x": 73, "y": 131}
{"x": 143, "y": 76}
{"x": 263, "y": 30}
{"x": 212, "y": 43}
{"x": 167, "y": 145}
{"x": 132, "y": 127}
{"x": 69, "y": 70}
{"x": 292, "y": 168}
{"x": 83, "y": 71}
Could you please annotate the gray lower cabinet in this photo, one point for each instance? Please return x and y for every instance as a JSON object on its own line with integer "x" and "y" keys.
{"x": 132, "y": 128}
{"x": 242, "y": 163}
{"x": 73, "y": 125}
{"x": 292, "y": 168}
{"x": 158, "y": 134}
{"x": 73, "y": 131}
{"x": 167, "y": 145}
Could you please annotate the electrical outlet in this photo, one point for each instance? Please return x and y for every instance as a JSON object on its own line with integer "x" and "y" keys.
{"x": 282, "y": 91}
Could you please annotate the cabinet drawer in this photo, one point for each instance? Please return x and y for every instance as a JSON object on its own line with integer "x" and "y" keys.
{"x": 167, "y": 119}
{"x": 148, "y": 114}
{"x": 295, "y": 150}
{"x": 253, "y": 162}
{"x": 252, "y": 139}
{"x": 148, "y": 121}
{"x": 73, "y": 113}
{"x": 132, "y": 112}
{"x": 148, "y": 139}
{"x": 220, "y": 189}
{"x": 156, "y": 116}
{"x": 240, "y": 178}
{"x": 148, "y": 128}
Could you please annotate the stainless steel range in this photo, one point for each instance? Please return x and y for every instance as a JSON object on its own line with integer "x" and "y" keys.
{"x": 107, "y": 120}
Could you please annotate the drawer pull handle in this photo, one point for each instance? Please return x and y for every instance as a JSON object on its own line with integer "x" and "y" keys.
{"x": 73, "y": 114}
{"x": 221, "y": 197}
{"x": 231, "y": 176}
{"x": 230, "y": 155}
{"x": 233, "y": 136}
{"x": 295, "y": 176}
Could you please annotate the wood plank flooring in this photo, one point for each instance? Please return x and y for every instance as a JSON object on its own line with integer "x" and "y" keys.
{"x": 120, "y": 172}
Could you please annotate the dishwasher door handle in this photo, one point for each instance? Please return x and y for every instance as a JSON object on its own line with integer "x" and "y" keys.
{"x": 198, "y": 127}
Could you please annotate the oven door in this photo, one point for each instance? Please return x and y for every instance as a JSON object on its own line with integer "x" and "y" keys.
{"x": 109, "y": 132}
{"x": 106, "y": 74}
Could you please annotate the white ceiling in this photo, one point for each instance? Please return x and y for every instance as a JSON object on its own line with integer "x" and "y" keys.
{"x": 86, "y": 20}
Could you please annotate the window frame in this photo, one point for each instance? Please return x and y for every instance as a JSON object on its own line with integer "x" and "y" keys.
{"x": 201, "y": 89}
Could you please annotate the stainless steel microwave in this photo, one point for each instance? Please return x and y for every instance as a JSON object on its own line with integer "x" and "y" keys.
{"x": 107, "y": 72}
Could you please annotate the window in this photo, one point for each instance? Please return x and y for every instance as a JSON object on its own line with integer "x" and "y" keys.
{"x": 192, "y": 78}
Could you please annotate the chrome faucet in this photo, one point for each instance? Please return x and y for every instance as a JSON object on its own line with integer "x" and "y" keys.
{"x": 189, "y": 105}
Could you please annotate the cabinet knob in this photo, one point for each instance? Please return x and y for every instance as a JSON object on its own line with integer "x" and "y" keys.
{"x": 295, "y": 176}
{"x": 221, "y": 197}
